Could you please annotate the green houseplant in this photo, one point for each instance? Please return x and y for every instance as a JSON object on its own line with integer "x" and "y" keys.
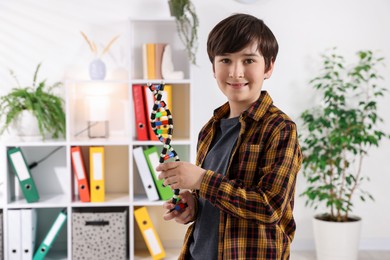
{"x": 337, "y": 135}
{"x": 187, "y": 25}
{"x": 38, "y": 99}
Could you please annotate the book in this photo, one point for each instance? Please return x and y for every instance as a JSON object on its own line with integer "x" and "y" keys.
{"x": 159, "y": 50}
{"x": 151, "y": 60}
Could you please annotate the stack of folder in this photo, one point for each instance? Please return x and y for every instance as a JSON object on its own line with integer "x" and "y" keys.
{"x": 147, "y": 160}
{"x": 22, "y": 227}
{"x": 22, "y": 230}
{"x": 143, "y": 104}
{"x": 92, "y": 190}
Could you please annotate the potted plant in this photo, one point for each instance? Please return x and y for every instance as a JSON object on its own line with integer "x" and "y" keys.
{"x": 187, "y": 25}
{"x": 336, "y": 137}
{"x": 37, "y": 102}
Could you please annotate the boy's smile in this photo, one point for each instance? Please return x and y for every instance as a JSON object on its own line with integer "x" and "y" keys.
{"x": 240, "y": 77}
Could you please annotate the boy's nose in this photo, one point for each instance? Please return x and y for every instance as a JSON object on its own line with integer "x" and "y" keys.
{"x": 236, "y": 71}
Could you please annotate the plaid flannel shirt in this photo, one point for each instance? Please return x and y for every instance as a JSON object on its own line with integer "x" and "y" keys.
{"x": 256, "y": 197}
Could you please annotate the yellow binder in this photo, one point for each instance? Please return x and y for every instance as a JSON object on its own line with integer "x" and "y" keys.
{"x": 149, "y": 233}
{"x": 96, "y": 160}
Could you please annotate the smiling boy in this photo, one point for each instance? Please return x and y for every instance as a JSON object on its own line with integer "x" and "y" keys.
{"x": 243, "y": 183}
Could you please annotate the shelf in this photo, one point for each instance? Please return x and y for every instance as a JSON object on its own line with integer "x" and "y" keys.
{"x": 111, "y": 101}
{"x": 45, "y": 201}
{"x": 112, "y": 140}
{"x": 142, "y": 200}
{"x": 38, "y": 142}
{"x": 111, "y": 199}
{"x": 166, "y": 81}
{"x": 174, "y": 142}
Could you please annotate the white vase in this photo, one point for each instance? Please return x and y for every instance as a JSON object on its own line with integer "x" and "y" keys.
{"x": 26, "y": 126}
{"x": 337, "y": 240}
{"x": 97, "y": 69}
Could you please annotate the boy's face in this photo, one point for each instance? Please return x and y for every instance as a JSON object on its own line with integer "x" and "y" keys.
{"x": 240, "y": 75}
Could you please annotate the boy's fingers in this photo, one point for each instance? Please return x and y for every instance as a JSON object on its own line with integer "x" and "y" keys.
{"x": 166, "y": 166}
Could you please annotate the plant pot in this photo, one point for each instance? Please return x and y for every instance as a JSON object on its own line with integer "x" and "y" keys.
{"x": 26, "y": 126}
{"x": 337, "y": 240}
{"x": 176, "y": 8}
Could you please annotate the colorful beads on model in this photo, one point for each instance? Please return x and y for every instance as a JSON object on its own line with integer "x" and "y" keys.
{"x": 162, "y": 125}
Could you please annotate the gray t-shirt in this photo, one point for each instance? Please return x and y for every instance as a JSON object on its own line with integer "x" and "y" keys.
{"x": 204, "y": 241}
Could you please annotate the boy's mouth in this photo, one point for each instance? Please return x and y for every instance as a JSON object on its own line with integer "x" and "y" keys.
{"x": 237, "y": 84}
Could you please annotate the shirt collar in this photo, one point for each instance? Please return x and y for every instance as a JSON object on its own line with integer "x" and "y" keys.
{"x": 256, "y": 111}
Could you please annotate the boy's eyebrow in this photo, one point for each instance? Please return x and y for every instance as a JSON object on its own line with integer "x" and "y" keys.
{"x": 251, "y": 54}
{"x": 245, "y": 54}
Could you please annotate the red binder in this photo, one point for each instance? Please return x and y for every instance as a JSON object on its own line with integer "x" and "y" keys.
{"x": 149, "y": 102}
{"x": 141, "y": 123}
{"x": 80, "y": 174}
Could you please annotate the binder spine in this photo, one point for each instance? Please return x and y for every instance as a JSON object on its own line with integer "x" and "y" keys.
{"x": 80, "y": 174}
{"x": 140, "y": 113}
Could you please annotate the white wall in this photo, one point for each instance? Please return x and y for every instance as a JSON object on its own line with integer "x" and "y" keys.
{"x": 48, "y": 31}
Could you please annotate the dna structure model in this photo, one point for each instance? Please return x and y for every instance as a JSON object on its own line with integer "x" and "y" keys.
{"x": 162, "y": 125}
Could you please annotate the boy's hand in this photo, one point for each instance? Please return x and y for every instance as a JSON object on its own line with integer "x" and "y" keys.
{"x": 181, "y": 175}
{"x": 181, "y": 216}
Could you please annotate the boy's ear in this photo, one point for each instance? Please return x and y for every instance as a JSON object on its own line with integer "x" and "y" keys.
{"x": 268, "y": 73}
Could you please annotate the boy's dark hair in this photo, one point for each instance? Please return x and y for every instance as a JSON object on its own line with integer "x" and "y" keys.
{"x": 235, "y": 32}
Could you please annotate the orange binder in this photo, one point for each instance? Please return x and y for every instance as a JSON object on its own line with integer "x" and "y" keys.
{"x": 96, "y": 160}
{"x": 141, "y": 123}
{"x": 80, "y": 173}
{"x": 149, "y": 102}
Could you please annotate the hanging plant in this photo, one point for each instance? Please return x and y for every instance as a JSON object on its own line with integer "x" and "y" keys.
{"x": 187, "y": 25}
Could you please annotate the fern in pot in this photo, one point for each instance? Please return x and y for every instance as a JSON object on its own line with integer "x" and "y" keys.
{"x": 46, "y": 108}
{"x": 336, "y": 137}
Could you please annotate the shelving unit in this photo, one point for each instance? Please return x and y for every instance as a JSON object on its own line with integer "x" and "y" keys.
{"x": 160, "y": 30}
{"x": 54, "y": 177}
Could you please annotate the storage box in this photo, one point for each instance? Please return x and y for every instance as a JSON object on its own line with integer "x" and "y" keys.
{"x": 99, "y": 233}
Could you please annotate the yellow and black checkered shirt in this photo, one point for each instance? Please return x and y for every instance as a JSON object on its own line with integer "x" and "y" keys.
{"x": 256, "y": 197}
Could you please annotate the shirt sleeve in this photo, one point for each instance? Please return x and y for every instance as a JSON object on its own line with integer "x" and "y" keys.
{"x": 266, "y": 200}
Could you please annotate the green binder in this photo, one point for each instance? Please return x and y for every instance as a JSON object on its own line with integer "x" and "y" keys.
{"x": 152, "y": 157}
{"x": 22, "y": 172}
{"x": 51, "y": 236}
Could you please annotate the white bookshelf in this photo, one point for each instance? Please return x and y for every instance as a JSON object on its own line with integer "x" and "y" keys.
{"x": 54, "y": 177}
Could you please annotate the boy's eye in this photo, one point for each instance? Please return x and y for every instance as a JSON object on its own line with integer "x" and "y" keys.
{"x": 249, "y": 61}
{"x": 225, "y": 60}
